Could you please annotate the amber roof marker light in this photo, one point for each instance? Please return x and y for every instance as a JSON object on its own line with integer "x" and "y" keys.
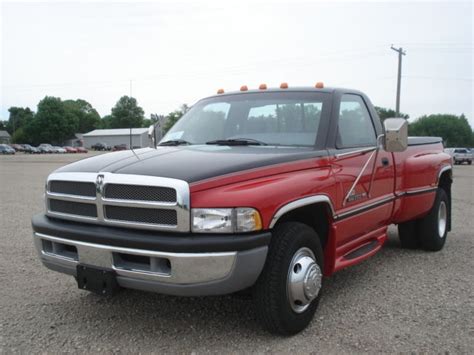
{"x": 220, "y": 91}
{"x": 319, "y": 85}
{"x": 244, "y": 88}
{"x": 284, "y": 86}
{"x": 262, "y": 87}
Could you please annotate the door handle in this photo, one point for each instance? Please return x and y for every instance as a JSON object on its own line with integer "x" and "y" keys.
{"x": 385, "y": 162}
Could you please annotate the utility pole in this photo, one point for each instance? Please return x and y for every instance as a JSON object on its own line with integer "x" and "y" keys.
{"x": 131, "y": 143}
{"x": 399, "y": 81}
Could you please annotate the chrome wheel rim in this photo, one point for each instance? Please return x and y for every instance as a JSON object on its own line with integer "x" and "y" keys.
{"x": 304, "y": 280}
{"x": 442, "y": 219}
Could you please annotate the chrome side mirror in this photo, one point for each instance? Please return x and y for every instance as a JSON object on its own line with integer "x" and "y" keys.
{"x": 396, "y": 134}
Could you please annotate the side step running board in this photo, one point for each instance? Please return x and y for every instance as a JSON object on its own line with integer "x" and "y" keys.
{"x": 359, "y": 249}
{"x": 367, "y": 248}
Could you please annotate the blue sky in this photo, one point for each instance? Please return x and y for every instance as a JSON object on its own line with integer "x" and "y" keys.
{"x": 176, "y": 52}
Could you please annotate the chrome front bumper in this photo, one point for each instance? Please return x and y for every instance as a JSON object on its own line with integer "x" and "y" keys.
{"x": 186, "y": 274}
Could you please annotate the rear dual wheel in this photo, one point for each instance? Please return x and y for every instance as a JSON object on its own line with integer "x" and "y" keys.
{"x": 429, "y": 232}
{"x": 288, "y": 290}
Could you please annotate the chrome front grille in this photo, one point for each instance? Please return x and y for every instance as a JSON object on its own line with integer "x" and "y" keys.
{"x": 77, "y": 208}
{"x": 142, "y": 215}
{"x": 73, "y": 188}
{"x": 133, "y": 201}
{"x": 140, "y": 193}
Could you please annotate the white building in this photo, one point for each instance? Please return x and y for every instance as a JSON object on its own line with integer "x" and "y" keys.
{"x": 4, "y": 137}
{"x": 117, "y": 136}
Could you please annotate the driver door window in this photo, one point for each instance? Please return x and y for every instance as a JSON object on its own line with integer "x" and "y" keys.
{"x": 355, "y": 127}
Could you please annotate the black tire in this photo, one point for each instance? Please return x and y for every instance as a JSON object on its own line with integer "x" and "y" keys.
{"x": 429, "y": 226}
{"x": 408, "y": 235}
{"x": 271, "y": 298}
{"x": 469, "y": 162}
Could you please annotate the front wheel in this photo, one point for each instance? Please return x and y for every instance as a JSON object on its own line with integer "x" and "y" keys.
{"x": 287, "y": 292}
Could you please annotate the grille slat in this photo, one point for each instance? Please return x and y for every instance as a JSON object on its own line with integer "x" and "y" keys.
{"x": 73, "y": 208}
{"x": 73, "y": 188}
{"x": 142, "y": 215}
{"x": 140, "y": 193}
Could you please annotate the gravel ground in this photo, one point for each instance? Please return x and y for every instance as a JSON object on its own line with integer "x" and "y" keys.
{"x": 397, "y": 301}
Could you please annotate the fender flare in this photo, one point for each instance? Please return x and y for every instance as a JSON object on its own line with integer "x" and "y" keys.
{"x": 443, "y": 170}
{"x": 305, "y": 201}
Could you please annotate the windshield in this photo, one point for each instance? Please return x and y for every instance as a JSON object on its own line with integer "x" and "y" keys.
{"x": 271, "y": 118}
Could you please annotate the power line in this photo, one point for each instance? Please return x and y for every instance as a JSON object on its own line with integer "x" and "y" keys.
{"x": 437, "y": 77}
{"x": 301, "y": 61}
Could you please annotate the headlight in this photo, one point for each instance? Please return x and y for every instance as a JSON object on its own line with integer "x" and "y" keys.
{"x": 225, "y": 220}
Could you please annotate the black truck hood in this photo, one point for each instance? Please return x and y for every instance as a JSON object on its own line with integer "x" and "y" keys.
{"x": 190, "y": 163}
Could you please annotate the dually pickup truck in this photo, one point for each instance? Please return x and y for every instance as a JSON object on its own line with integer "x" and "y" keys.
{"x": 261, "y": 191}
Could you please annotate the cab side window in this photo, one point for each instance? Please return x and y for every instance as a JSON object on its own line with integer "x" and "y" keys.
{"x": 355, "y": 127}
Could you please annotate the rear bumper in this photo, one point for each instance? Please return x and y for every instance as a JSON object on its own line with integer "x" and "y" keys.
{"x": 185, "y": 272}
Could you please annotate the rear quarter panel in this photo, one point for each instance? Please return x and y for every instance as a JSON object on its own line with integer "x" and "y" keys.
{"x": 417, "y": 169}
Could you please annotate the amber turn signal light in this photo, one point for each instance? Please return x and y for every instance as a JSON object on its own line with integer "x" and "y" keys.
{"x": 319, "y": 85}
{"x": 284, "y": 86}
{"x": 220, "y": 91}
{"x": 244, "y": 88}
{"x": 263, "y": 87}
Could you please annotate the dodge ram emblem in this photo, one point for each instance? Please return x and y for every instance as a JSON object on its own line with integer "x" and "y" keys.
{"x": 99, "y": 182}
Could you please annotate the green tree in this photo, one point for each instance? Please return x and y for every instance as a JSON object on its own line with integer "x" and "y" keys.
{"x": 173, "y": 117}
{"x": 20, "y": 136}
{"x": 455, "y": 130}
{"x": 83, "y": 113}
{"x": 51, "y": 123}
{"x": 126, "y": 113}
{"x": 18, "y": 118}
{"x": 389, "y": 113}
{"x": 104, "y": 122}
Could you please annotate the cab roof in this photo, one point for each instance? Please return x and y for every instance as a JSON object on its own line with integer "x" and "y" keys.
{"x": 329, "y": 90}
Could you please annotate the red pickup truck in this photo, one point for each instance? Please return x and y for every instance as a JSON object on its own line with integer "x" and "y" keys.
{"x": 265, "y": 190}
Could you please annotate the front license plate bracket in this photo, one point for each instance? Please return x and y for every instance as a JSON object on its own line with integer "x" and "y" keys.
{"x": 100, "y": 281}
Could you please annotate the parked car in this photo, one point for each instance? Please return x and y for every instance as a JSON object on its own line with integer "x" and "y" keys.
{"x": 471, "y": 151}
{"x": 59, "y": 150}
{"x": 30, "y": 149}
{"x": 81, "y": 150}
{"x": 46, "y": 148}
{"x": 120, "y": 147}
{"x": 70, "y": 149}
{"x": 274, "y": 190}
{"x": 17, "y": 147}
{"x": 460, "y": 155}
{"x": 101, "y": 146}
{"x": 6, "y": 149}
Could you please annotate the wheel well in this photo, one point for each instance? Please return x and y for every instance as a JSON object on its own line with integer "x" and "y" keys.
{"x": 315, "y": 216}
{"x": 445, "y": 181}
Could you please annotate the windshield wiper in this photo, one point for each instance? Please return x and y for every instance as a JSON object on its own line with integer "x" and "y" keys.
{"x": 175, "y": 142}
{"x": 237, "y": 141}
